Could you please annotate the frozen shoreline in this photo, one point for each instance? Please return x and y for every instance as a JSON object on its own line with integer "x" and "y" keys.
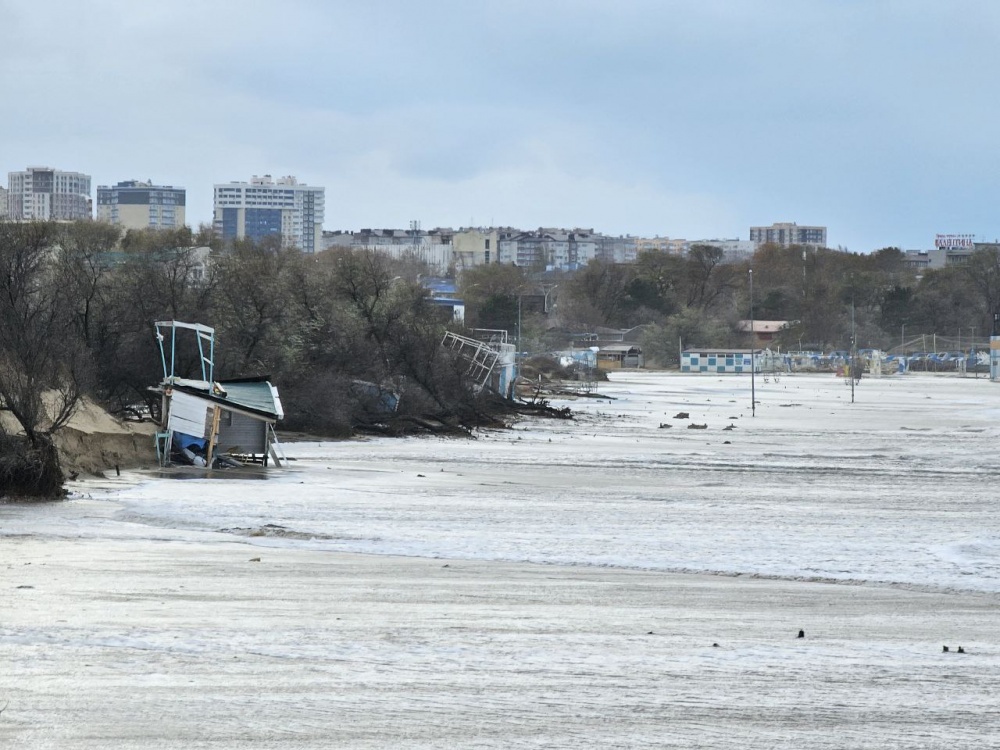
{"x": 130, "y": 620}
{"x": 896, "y": 489}
{"x": 169, "y": 644}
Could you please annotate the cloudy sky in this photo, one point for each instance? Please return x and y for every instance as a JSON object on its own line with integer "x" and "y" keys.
{"x": 693, "y": 119}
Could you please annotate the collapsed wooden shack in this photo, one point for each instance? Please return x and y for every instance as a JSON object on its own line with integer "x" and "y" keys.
{"x": 213, "y": 423}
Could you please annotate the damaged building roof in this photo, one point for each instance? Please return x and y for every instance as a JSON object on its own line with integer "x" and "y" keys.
{"x": 253, "y": 395}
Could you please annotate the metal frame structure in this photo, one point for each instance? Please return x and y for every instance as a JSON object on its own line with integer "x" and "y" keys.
{"x": 202, "y": 332}
{"x": 482, "y": 358}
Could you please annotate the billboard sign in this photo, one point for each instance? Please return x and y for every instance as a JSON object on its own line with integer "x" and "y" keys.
{"x": 955, "y": 241}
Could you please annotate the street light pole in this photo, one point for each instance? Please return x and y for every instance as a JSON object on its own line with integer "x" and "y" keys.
{"x": 854, "y": 352}
{"x": 753, "y": 367}
{"x": 518, "y": 353}
{"x": 972, "y": 352}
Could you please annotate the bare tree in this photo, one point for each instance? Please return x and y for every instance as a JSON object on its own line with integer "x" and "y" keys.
{"x": 252, "y": 311}
{"x": 43, "y": 364}
{"x": 86, "y": 251}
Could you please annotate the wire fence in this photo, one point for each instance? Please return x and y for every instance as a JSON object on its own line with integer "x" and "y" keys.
{"x": 933, "y": 343}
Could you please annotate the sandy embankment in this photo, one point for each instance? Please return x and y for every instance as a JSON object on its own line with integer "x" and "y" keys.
{"x": 94, "y": 442}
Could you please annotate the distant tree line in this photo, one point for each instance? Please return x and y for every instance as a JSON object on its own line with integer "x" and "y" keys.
{"x": 699, "y": 298}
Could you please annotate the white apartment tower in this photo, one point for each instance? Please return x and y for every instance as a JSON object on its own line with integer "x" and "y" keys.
{"x": 264, "y": 207}
{"x": 44, "y": 193}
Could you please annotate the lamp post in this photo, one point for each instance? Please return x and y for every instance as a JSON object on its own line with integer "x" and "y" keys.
{"x": 902, "y": 340}
{"x": 517, "y": 354}
{"x": 753, "y": 364}
{"x": 972, "y": 351}
{"x": 854, "y": 352}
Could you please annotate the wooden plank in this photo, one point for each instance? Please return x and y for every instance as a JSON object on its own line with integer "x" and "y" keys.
{"x": 274, "y": 455}
{"x": 213, "y": 433}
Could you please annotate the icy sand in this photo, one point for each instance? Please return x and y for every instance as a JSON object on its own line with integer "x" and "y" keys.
{"x": 559, "y": 585}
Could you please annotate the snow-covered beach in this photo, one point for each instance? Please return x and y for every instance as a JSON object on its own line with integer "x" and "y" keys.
{"x": 561, "y": 584}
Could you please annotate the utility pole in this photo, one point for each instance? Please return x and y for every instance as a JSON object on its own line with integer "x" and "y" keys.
{"x": 803, "y": 273}
{"x": 972, "y": 353}
{"x": 854, "y": 351}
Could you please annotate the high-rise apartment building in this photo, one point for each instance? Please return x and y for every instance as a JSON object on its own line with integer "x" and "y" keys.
{"x": 141, "y": 205}
{"x": 788, "y": 233}
{"x": 4, "y": 209}
{"x": 264, "y": 207}
{"x": 45, "y": 193}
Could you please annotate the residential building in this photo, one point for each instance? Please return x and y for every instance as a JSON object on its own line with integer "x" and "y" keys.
{"x": 621, "y": 249}
{"x": 265, "y": 207}
{"x": 661, "y": 245}
{"x": 551, "y": 249}
{"x": 521, "y": 248}
{"x": 918, "y": 260}
{"x": 141, "y": 205}
{"x": 433, "y": 247}
{"x": 475, "y": 247}
{"x": 45, "y": 193}
{"x": 786, "y": 234}
{"x": 4, "y": 210}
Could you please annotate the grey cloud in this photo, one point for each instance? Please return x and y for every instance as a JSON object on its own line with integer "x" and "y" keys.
{"x": 662, "y": 117}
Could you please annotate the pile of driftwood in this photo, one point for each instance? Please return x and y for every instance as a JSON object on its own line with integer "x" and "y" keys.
{"x": 490, "y": 410}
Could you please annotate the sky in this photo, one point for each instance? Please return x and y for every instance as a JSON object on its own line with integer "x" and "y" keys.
{"x": 694, "y": 119}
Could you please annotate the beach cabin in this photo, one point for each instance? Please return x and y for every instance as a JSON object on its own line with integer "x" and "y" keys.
{"x": 721, "y": 361}
{"x": 716, "y": 360}
{"x": 619, "y": 357}
{"x": 232, "y": 418}
{"x": 205, "y": 422}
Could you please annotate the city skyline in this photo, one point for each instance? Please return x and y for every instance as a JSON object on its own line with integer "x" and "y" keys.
{"x": 671, "y": 119}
